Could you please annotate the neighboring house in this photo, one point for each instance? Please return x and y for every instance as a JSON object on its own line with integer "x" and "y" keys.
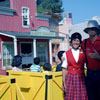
{"x": 97, "y": 18}
{"x": 24, "y": 32}
{"x": 80, "y": 27}
{"x": 63, "y": 30}
{"x": 64, "y": 26}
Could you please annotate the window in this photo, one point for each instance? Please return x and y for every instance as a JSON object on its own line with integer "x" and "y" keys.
{"x": 4, "y": 3}
{"x": 2, "y": 0}
{"x": 25, "y": 17}
{"x": 42, "y": 52}
{"x": 8, "y": 53}
{"x": 26, "y": 49}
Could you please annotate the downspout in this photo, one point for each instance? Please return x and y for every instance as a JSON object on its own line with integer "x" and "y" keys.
{"x": 15, "y": 42}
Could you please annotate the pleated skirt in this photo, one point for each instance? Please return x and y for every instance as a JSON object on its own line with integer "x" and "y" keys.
{"x": 75, "y": 87}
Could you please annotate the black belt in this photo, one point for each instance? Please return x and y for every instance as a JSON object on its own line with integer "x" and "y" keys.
{"x": 94, "y": 71}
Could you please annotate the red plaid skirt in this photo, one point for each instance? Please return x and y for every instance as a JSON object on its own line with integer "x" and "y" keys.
{"x": 75, "y": 87}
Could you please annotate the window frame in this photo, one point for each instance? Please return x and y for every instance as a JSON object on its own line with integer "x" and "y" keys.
{"x": 28, "y": 17}
{"x": 7, "y": 43}
{"x": 44, "y": 49}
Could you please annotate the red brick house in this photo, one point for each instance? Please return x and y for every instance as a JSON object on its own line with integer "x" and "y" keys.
{"x": 24, "y": 32}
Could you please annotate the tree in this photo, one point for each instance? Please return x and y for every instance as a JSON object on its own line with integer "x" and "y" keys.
{"x": 51, "y": 6}
{"x": 54, "y": 6}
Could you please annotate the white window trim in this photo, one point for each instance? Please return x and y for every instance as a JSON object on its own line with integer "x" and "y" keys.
{"x": 24, "y": 26}
{"x": 3, "y": 67}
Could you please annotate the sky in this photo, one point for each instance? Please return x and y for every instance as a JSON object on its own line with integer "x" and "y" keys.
{"x": 82, "y": 9}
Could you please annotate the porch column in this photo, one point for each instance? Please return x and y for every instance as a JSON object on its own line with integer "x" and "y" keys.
{"x": 50, "y": 51}
{"x": 56, "y": 51}
{"x": 15, "y": 46}
{"x": 34, "y": 47}
{"x": 63, "y": 45}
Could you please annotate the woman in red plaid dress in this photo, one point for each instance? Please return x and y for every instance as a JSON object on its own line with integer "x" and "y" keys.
{"x": 74, "y": 81}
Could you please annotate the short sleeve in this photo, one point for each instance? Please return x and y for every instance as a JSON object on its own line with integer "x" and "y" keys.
{"x": 39, "y": 69}
{"x": 65, "y": 63}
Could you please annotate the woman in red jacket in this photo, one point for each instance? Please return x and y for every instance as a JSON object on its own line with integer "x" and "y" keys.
{"x": 74, "y": 81}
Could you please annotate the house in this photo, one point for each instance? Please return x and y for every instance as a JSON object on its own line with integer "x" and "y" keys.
{"x": 63, "y": 31}
{"x": 64, "y": 27}
{"x": 24, "y": 32}
{"x": 79, "y": 28}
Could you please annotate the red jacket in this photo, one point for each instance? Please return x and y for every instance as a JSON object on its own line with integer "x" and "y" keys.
{"x": 73, "y": 66}
{"x": 93, "y": 64}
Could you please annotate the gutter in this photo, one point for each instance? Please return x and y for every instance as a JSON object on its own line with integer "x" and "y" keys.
{"x": 15, "y": 41}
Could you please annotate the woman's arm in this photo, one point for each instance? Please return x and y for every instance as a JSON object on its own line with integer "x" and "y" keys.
{"x": 64, "y": 72}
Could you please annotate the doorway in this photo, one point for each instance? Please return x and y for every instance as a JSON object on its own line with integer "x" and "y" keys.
{"x": 26, "y": 52}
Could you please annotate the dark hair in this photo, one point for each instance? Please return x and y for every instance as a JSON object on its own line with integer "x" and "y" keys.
{"x": 60, "y": 54}
{"x": 36, "y": 60}
{"x": 76, "y": 35}
{"x": 47, "y": 67}
{"x": 17, "y": 61}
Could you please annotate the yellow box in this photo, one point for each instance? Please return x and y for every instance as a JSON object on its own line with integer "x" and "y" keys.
{"x": 38, "y": 86}
{"x": 7, "y": 88}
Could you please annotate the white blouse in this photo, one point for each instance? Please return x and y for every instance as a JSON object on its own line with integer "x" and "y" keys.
{"x": 75, "y": 55}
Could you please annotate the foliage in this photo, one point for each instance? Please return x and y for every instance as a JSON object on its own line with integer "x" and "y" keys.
{"x": 54, "y": 6}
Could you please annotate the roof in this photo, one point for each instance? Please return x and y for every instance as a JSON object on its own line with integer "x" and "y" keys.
{"x": 27, "y": 35}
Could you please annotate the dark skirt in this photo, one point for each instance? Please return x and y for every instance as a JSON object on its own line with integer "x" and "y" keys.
{"x": 75, "y": 87}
